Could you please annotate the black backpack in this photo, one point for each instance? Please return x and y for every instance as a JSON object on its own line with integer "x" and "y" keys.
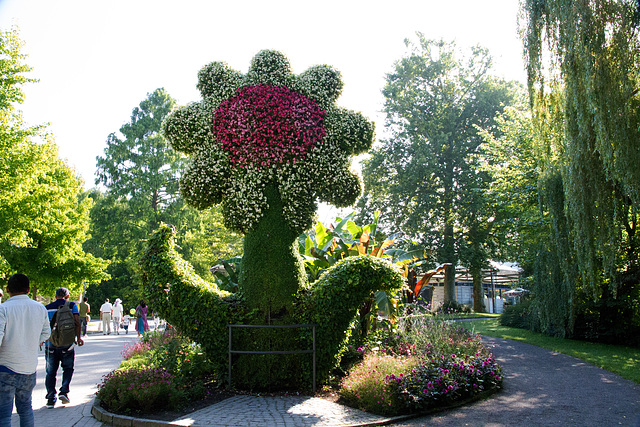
{"x": 63, "y": 327}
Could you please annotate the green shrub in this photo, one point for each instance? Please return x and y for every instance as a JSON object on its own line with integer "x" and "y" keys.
{"x": 611, "y": 318}
{"x": 202, "y": 312}
{"x": 333, "y": 301}
{"x": 136, "y": 362}
{"x": 177, "y": 354}
{"x": 159, "y": 372}
{"x": 518, "y": 315}
{"x": 142, "y": 390}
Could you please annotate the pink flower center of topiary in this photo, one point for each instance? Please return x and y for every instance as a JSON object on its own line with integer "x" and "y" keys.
{"x": 268, "y": 125}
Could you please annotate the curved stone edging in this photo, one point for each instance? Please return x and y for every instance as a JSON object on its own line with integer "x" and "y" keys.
{"x": 109, "y": 418}
{"x": 480, "y": 396}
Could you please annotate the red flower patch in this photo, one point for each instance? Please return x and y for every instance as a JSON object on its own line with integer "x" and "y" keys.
{"x": 268, "y": 125}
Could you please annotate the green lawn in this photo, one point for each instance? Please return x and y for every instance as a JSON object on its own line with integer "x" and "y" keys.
{"x": 624, "y": 361}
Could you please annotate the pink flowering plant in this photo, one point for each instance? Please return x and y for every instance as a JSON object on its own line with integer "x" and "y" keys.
{"x": 160, "y": 371}
{"x": 443, "y": 380}
{"x": 268, "y": 126}
{"x": 417, "y": 365}
{"x": 141, "y": 390}
{"x": 138, "y": 348}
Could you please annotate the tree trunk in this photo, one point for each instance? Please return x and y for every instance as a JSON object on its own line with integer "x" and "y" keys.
{"x": 448, "y": 250}
{"x": 478, "y": 297}
{"x": 450, "y": 283}
{"x": 272, "y": 269}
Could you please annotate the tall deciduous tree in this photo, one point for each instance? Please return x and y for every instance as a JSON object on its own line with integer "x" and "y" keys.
{"x": 43, "y": 215}
{"x": 512, "y": 159}
{"x": 140, "y": 172}
{"x": 423, "y": 174}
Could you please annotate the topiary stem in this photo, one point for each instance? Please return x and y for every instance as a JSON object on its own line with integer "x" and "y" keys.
{"x": 272, "y": 269}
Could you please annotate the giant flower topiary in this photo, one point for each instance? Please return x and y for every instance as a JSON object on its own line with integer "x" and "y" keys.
{"x": 267, "y": 145}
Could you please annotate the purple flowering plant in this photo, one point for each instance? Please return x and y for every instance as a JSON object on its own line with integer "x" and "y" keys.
{"x": 420, "y": 364}
{"x": 445, "y": 379}
{"x": 160, "y": 371}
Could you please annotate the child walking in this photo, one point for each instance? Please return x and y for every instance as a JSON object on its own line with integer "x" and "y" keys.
{"x": 125, "y": 323}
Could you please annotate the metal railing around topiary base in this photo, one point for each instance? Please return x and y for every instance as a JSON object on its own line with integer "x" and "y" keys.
{"x": 312, "y": 350}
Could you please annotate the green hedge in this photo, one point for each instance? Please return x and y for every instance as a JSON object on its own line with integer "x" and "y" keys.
{"x": 332, "y": 303}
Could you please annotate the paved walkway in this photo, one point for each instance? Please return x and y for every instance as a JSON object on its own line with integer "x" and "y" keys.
{"x": 542, "y": 388}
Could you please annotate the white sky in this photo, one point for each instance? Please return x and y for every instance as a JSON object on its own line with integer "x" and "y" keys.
{"x": 97, "y": 60}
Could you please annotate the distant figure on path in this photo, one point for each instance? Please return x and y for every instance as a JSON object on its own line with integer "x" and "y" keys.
{"x": 126, "y": 320}
{"x": 116, "y": 314}
{"x": 61, "y": 356}
{"x": 24, "y": 325}
{"x": 105, "y": 315}
{"x": 83, "y": 312}
{"x": 141, "y": 323}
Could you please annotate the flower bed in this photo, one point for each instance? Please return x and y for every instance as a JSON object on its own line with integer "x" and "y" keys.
{"x": 160, "y": 372}
{"x": 418, "y": 365}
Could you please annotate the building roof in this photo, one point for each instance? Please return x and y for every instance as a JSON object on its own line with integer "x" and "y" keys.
{"x": 501, "y": 273}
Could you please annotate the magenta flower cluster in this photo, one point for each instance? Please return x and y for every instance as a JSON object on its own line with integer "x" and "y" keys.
{"x": 265, "y": 126}
{"x": 445, "y": 379}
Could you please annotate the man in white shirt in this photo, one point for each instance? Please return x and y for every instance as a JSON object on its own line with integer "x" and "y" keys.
{"x": 105, "y": 315}
{"x": 24, "y": 325}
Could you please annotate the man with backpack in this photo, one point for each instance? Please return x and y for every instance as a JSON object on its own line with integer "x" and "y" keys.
{"x": 65, "y": 331}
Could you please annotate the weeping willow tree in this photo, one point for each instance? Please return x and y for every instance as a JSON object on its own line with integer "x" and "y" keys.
{"x": 583, "y": 63}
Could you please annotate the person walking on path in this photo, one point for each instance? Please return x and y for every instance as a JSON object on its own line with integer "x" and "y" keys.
{"x": 83, "y": 312}
{"x": 141, "y": 323}
{"x": 24, "y": 326}
{"x": 64, "y": 356}
{"x": 105, "y": 314}
{"x": 117, "y": 315}
{"x": 126, "y": 320}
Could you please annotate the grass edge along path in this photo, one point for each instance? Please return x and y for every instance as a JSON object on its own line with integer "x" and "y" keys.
{"x": 621, "y": 360}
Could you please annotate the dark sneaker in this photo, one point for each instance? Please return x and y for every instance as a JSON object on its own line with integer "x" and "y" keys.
{"x": 64, "y": 399}
{"x": 50, "y": 403}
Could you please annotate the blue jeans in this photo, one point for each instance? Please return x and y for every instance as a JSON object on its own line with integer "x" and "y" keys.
{"x": 56, "y": 356}
{"x": 19, "y": 386}
{"x": 83, "y": 321}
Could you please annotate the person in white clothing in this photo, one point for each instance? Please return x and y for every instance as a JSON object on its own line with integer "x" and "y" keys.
{"x": 116, "y": 315}
{"x": 126, "y": 320}
{"x": 24, "y": 326}
{"x": 105, "y": 315}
